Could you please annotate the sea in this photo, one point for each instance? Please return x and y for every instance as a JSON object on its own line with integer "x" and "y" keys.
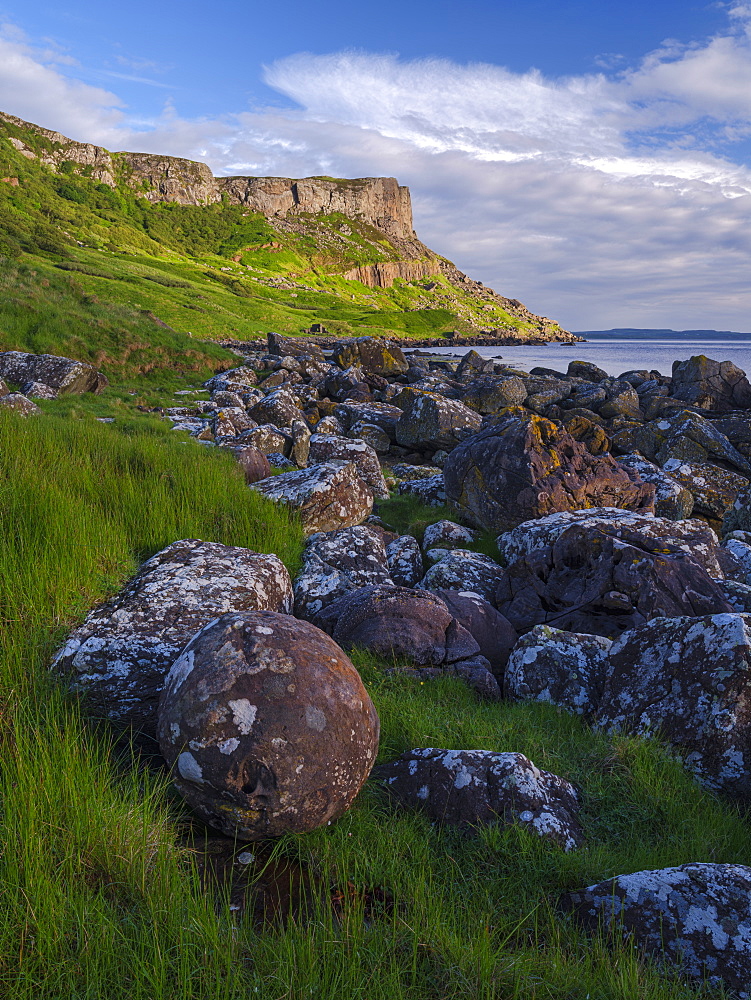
{"x": 622, "y": 350}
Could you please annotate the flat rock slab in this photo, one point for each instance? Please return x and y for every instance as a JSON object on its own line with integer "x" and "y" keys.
{"x": 327, "y": 496}
{"x": 124, "y": 649}
{"x": 471, "y": 787}
{"x": 522, "y": 466}
{"x": 696, "y": 918}
{"x": 63, "y": 374}
{"x": 268, "y": 726}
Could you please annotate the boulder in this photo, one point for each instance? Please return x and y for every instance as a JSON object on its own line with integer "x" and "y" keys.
{"x": 404, "y": 471}
{"x": 324, "y": 447}
{"x": 400, "y": 622}
{"x": 472, "y": 787}
{"x": 712, "y": 385}
{"x": 522, "y": 466}
{"x": 621, "y": 400}
{"x": 692, "y": 537}
{"x": 63, "y": 374}
{"x": 428, "y": 490}
{"x": 586, "y": 370}
{"x": 338, "y": 384}
{"x": 568, "y": 669}
{"x": 119, "y": 656}
{"x": 447, "y": 535}
{"x": 494, "y": 634}
{"x": 236, "y": 380}
{"x": 380, "y": 357}
{"x": 267, "y": 725}
{"x": 405, "y": 561}
{"x": 327, "y": 496}
{"x": 19, "y": 404}
{"x": 383, "y": 415}
{"x": 253, "y": 462}
{"x": 473, "y": 363}
{"x": 290, "y": 347}
{"x": 468, "y": 572}
{"x": 488, "y": 395}
{"x": 372, "y": 435}
{"x": 229, "y": 421}
{"x": 223, "y": 398}
{"x": 279, "y": 408}
{"x": 35, "y": 390}
{"x": 713, "y": 488}
{"x": 267, "y": 439}
{"x": 329, "y": 425}
{"x": 603, "y": 576}
{"x": 695, "y": 918}
{"x": 301, "y": 436}
{"x": 430, "y": 422}
{"x": 687, "y": 426}
{"x": 742, "y": 552}
{"x": 672, "y": 500}
{"x": 591, "y": 434}
{"x": 335, "y": 562}
{"x": 692, "y": 686}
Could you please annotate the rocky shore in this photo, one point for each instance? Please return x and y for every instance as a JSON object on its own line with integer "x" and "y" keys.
{"x": 619, "y": 591}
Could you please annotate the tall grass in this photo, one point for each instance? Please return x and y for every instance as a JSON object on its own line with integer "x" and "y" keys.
{"x": 99, "y": 900}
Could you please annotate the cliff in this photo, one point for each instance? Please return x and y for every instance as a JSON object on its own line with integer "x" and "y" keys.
{"x": 358, "y": 229}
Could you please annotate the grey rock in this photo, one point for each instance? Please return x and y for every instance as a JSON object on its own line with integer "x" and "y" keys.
{"x": 430, "y": 422}
{"x": 672, "y": 500}
{"x": 326, "y": 496}
{"x": 712, "y": 385}
{"x": 324, "y": 447}
{"x": 38, "y": 390}
{"x": 471, "y": 787}
{"x": 122, "y": 652}
{"x": 468, "y": 572}
{"x": 63, "y": 374}
{"x": 429, "y": 491}
{"x": 695, "y": 918}
{"x": 405, "y": 561}
{"x": 447, "y": 535}
{"x": 19, "y": 404}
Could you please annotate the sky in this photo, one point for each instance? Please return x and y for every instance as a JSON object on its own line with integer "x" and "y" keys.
{"x": 592, "y": 160}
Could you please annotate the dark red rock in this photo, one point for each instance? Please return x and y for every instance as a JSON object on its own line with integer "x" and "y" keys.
{"x": 268, "y": 725}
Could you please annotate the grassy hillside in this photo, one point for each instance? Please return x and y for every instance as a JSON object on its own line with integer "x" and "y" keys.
{"x": 101, "y": 883}
{"x": 105, "y": 275}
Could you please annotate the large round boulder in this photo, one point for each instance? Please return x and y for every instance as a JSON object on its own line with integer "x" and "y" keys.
{"x": 268, "y": 726}
{"x": 327, "y": 496}
{"x": 522, "y": 466}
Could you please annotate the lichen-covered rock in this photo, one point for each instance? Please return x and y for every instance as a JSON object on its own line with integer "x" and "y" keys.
{"x": 568, "y": 669}
{"x": 279, "y": 408}
{"x": 19, "y": 404}
{"x": 713, "y": 488}
{"x": 603, "y": 577}
{"x": 447, "y": 535}
{"x": 621, "y": 400}
{"x": 712, "y": 385}
{"x": 236, "y": 380}
{"x": 672, "y": 500}
{"x": 122, "y": 652}
{"x": 430, "y": 422}
{"x": 338, "y": 384}
{"x": 300, "y": 450}
{"x": 37, "y": 390}
{"x": 329, "y": 425}
{"x": 469, "y": 787}
{"x": 488, "y": 395}
{"x": 267, "y": 439}
{"x": 327, "y": 496}
{"x": 696, "y": 918}
{"x": 468, "y": 572}
{"x": 335, "y": 562}
{"x": 428, "y": 490}
{"x": 229, "y": 421}
{"x": 405, "y": 561}
{"x": 590, "y": 434}
{"x": 381, "y": 357}
{"x": 268, "y": 726}
{"x": 405, "y": 472}
{"x": 383, "y": 415}
{"x": 324, "y": 447}
{"x": 693, "y": 686}
{"x": 63, "y": 374}
{"x": 687, "y": 426}
{"x": 586, "y": 370}
{"x": 494, "y": 634}
{"x": 692, "y": 537}
{"x": 372, "y": 435}
{"x": 522, "y": 466}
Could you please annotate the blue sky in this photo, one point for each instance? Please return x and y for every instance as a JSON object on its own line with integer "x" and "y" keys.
{"x": 592, "y": 160}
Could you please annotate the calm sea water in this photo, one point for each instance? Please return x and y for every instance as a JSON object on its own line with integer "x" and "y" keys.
{"x": 616, "y": 355}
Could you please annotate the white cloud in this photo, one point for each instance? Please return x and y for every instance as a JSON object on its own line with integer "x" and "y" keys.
{"x": 607, "y": 199}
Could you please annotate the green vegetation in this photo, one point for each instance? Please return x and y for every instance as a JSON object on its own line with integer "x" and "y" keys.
{"x": 102, "y": 274}
{"x": 101, "y": 891}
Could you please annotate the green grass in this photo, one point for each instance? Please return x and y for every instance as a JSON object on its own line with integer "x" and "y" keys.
{"x": 101, "y": 900}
